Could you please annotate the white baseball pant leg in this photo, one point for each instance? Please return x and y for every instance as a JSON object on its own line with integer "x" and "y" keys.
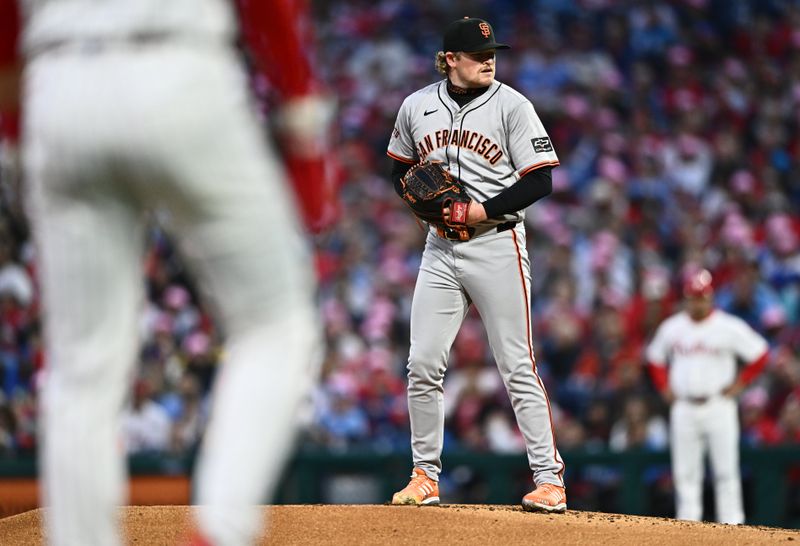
{"x": 239, "y": 232}
{"x": 89, "y": 248}
{"x": 722, "y": 422}
{"x": 687, "y": 448}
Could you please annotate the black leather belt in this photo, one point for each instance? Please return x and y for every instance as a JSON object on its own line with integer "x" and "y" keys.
{"x": 697, "y": 400}
{"x": 505, "y": 226}
{"x": 453, "y": 235}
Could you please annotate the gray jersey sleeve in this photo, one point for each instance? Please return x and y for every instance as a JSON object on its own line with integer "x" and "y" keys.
{"x": 401, "y": 143}
{"x": 529, "y": 145}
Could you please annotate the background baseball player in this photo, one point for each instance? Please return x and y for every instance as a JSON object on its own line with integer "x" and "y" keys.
{"x": 488, "y": 136}
{"x": 128, "y": 106}
{"x": 693, "y": 362}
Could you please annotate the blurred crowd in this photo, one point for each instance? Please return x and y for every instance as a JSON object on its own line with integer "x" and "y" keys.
{"x": 677, "y": 124}
{"x": 678, "y": 128}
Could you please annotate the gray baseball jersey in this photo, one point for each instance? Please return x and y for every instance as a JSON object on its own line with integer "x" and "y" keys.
{"x": 489, "y": 143}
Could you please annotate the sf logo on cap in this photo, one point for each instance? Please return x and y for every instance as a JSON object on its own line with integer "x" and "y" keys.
{"x": 485, "y": 30}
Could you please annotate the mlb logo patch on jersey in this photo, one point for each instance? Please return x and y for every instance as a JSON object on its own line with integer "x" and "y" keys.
{"x": 541, "y": 145}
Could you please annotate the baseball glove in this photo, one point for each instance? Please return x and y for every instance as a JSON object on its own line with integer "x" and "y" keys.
{"x": 428, "y": 189}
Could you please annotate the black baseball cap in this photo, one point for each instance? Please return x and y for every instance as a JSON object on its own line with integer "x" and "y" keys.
{"x": 470, "y": 35}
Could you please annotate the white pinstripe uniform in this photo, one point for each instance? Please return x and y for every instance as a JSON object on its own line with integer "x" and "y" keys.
{"x": 702, "y": 361}
{"x": 489, "y": 143}
{"x": 132, "y": 105}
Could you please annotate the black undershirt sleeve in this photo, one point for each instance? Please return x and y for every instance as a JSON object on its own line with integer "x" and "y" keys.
{"x": 527, "y": 190}
{"x": 399, "y": 170}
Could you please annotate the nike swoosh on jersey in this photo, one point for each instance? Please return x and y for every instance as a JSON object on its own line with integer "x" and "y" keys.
{"x": 431, "y": 112}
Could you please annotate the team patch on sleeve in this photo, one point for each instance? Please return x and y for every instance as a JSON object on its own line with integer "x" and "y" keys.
{"x": 541, "y": 145}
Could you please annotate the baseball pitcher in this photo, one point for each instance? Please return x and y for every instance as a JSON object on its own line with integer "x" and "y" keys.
{"x": 131, "y": 105}
{"x": 473, "y": 149}
{"x": 693, "y": 362}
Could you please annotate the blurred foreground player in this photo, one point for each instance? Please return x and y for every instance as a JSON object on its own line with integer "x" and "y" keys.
{"x": 701, "y": 347}
{"x": 132, "y": 105}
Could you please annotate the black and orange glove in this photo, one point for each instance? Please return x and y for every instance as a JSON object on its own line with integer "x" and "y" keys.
{"x": 428, "y": 189}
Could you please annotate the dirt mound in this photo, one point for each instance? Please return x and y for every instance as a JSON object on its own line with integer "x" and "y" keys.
{"x": 447, "y": 524}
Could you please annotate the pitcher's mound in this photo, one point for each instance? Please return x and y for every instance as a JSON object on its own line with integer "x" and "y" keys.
{"x": 446, "y": 524}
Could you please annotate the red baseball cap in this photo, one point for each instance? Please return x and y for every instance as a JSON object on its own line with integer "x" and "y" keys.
{"x": 698, "y": 284}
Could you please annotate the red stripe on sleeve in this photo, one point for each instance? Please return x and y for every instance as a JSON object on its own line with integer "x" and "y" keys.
{"x": 9, "y": 70}
{"x": 752, "y": 370}
{"x": 9, "y": 32}
{"x": 278, "y": 36}
{"x": 401, "y": 159}
{"x": 535, "y": 166}
{"x": 658, "y": 374}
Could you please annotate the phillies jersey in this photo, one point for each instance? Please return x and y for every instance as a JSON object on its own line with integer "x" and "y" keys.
{"x": 489, "y": 143}
{"x": 702, "y": 355}
{"x": 57, "y": 21}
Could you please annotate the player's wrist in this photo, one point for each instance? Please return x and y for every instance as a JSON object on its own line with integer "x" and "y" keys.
{"x": 476, "y": 214}
{"x": 489, "y": 208}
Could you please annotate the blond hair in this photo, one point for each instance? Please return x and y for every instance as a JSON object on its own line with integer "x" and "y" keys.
{"x": 441, "y": 62}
